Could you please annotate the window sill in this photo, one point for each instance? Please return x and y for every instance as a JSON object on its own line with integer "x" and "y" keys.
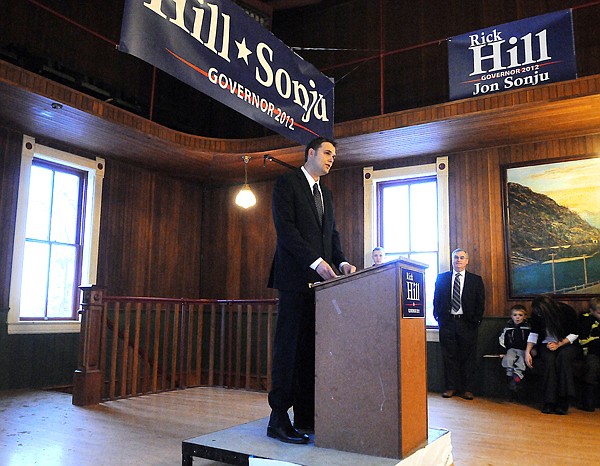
{"x": 24, "y": 328}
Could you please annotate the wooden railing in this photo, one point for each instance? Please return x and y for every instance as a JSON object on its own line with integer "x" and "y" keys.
{"x": 134, "y": 346}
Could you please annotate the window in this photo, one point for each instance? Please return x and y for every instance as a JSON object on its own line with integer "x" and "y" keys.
{"x": 53, "y": 236}
{"x": 406, "y": 214}
{"x": 56, "y": 238}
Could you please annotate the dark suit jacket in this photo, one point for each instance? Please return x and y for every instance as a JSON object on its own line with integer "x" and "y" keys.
{"x": 472, "y": 298}
{"x": 300, "y": 239}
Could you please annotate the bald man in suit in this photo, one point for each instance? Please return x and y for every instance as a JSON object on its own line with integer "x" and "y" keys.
{"x": 458, "y": 319}
{"x": 308, "y": 250}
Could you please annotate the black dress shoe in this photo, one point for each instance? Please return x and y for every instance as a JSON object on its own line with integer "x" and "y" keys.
{"x": 287, "y": 434}
{"x": 304, "y": 428}
{"x": 562, "y": 407}
{"x": 561, "y": 410}
{"x": 281, "y": 428}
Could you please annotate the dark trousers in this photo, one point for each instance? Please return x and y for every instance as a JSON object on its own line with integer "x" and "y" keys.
{"x": 557, "y": 367}
{"x": 458, "y": 343}
{"x": 591, "y": 375}
{"x": 293, "y": 370}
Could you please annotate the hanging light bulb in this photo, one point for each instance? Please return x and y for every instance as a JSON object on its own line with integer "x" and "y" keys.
{"x": 245, "y": 198}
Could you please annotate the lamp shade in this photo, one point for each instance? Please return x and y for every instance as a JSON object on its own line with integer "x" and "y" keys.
{"x": 245, "y": 198}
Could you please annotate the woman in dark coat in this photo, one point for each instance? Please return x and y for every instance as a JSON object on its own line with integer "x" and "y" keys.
{"x": 554, "y": 330}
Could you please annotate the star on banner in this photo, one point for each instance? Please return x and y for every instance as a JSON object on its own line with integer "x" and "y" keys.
{"x": 243, "y": 51}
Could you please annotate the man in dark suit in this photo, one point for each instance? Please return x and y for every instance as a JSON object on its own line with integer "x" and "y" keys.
{"x": 458, "y": 305}
{"x": 308, "y": 247}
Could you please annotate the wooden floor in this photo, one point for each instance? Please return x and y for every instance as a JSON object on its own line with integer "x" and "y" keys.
{"x": 44, "y": 428}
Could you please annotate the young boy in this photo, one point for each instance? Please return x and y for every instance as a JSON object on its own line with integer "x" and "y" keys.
{"x": 514, "y": 340}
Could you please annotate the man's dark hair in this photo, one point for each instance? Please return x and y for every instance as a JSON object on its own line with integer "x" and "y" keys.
{"x": 315, "y": 144}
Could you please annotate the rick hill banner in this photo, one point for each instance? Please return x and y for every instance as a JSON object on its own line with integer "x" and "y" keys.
{"x": 529, "y": 52}
{"x": 216, "y": 48}
{"x": 413, "y": 304}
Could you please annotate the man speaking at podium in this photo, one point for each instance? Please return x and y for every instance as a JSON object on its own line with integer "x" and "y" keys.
{"x": 308, "y": 247}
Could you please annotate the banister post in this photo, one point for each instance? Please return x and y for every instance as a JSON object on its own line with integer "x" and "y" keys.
{"x": 87, "y": 380}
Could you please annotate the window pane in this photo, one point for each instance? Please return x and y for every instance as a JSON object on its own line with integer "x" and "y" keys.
{"x": 431, "y": 272}
{"x": 409, "y": 226}
{"x": 38, "y": 210}
{"x": 393, "y": 257}
{"x": 64, "y": 208}
{"x": 395, "y": 218}
{"x": 35, "y": 279}
{"x": 62, "y": 276}
{"x": 423, "y": 220}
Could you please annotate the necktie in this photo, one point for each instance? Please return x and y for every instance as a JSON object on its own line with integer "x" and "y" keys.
{"x": 456, "y": 293}
{"x": 318, "y": 202}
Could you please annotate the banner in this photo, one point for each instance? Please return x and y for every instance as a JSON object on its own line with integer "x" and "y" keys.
{"x": 529, "y": 52}
{"x": 218, "y": 49}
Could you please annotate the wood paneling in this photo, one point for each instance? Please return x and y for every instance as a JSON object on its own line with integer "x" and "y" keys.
{"x": 238, "y": 244}
{"x": 150, "y": 234}
{"x": 476, "y": 220}
{"x": 476, "y": 207}
{"x": 164, "y": 236}
{"x": 85, "y": 125}
{"x": 10, "y": 163}
{"x": 348, "y": 200}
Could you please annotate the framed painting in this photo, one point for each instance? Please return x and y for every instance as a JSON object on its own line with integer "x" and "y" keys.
{"x": 552, "y": 227}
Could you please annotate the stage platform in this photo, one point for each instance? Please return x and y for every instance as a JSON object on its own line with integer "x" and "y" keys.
{"x": 248, "y": 444}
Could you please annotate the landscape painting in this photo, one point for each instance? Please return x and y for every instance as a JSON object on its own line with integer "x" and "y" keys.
{"x": 552, "y": 221}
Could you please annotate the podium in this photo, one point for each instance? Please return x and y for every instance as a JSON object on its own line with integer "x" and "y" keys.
{"x": 370, "y": 361}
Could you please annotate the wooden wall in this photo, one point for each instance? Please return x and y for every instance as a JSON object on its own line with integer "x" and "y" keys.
{"x": 25, "y": 360}
{"x": 476, "y": 221}
{"x": 150, "y": 245}
{"x": 238, "y": 244}
{"x": 150, "y": 234}
{"x": 166, "y": 237}
{"x": 476, "y": 211}
{"x": 10, "y": 146}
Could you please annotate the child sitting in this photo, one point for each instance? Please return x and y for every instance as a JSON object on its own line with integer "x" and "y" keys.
{"x": 514, "y": 340}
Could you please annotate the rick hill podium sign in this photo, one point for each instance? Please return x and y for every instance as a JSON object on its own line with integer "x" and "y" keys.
{"x": 371, "y": 374}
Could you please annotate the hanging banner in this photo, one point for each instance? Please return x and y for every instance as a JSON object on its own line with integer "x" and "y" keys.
{"x": 529, "y": 52}
{"x": 218, "y": 49}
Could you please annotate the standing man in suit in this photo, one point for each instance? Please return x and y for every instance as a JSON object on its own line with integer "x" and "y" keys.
{"x": 308, "y": 249}
{"x": 458, "y": 305}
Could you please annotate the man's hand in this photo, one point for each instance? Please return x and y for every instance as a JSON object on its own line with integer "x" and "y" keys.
{"x": 348, "y": 269}
{"x": 325, "y": 271}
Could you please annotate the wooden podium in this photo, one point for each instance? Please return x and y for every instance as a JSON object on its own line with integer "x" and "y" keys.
{"x": 371, "y": 374}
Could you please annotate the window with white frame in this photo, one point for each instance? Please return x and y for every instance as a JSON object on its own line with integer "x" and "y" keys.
{"x": 406, "y": 213}
{"x": 56, "y": 238}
